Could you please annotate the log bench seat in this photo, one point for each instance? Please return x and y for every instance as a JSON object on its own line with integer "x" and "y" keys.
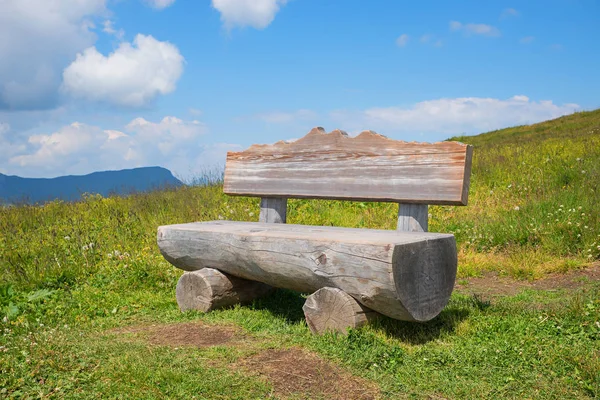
{"x": 353, "y": 274}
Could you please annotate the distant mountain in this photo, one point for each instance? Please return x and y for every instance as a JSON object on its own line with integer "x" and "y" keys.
{"x": 14, "y": 189}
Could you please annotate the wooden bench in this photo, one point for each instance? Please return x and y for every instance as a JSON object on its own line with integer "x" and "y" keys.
{"x": 353, "y": 274}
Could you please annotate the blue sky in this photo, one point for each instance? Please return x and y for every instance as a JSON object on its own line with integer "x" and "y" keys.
{"x": 89, "y": 85}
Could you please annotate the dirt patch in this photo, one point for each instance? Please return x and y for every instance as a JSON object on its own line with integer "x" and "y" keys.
{"x": 492, "y": 285}
{"x": 298, "y": 373}
{"x": 191, "y": 334}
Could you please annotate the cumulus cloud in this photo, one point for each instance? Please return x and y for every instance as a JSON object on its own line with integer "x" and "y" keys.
{"x": 133, "y": 75}
{"x": 241, "y": 13}
{"x": 441, "y": 118}
{"x": 402, "y": 40}
{"x": 108, "y": 27}
{"x": 160, "y": 4}
{"x": 78, "y": 148}
{"x": 39, "y": 37}
{"x": 474, "y": 29}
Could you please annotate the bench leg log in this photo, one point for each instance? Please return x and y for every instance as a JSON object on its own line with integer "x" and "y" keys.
{"x": 332, "y": 309}
{"x": 209, "y": 289}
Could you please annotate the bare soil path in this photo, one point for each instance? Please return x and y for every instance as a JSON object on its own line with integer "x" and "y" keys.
{"x": 492, "y": 285}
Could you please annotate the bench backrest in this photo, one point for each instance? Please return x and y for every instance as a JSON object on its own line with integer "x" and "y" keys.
{"x": 368, "y": 167}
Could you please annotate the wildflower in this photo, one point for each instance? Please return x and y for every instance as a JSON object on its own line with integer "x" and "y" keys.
{"x": 583, "y": 171}
{"x": 251, "y": 214}
{"x": 67, "y": 237}
{"x": 84, "y": 247}
{"x": 509, "y": 186}
{"x": 221, "y": 217}
{"x": 517, "y": 208}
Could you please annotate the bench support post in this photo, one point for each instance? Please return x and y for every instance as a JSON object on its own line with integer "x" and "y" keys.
{"x": 332, "y": 309}
{"x": 273, "y": 210}
{"x": 413, "y": 217}
{"x": 210, "y": 289}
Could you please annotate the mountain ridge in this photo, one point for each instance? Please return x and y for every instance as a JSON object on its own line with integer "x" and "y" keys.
{"x": 18, "y": 190}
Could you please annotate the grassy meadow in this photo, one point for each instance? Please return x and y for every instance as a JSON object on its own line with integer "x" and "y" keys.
{"x": 73, "y": 274}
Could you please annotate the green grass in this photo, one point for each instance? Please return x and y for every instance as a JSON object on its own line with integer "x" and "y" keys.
{"x": 70, "y": 272}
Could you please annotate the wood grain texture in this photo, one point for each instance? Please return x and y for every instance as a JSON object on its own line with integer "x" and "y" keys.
{"x": 332, "y": 309}
{"x": 209, "y": 289}
{"x": 273, "y": 210}
{"x": 369, "y": 167}
{"x": 404, "y": 275}
{"x": 413, "y": 217}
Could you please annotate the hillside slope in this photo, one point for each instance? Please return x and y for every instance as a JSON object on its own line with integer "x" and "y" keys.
{"x": 533, "y": 209}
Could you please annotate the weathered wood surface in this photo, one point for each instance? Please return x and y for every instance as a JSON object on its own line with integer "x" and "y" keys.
{"x": 209, "y": 289}
{"x": 369, "y": 167}
{"x": 273, "y": 210}
{"x": 413, "y": 217}
{"x": 404, "y": 275}
{"x": 332, "y": 309}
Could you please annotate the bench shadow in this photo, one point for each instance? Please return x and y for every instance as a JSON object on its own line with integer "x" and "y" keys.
{"x": 458, "y": 309}
{"x": 287, "y": 305}
{"x": 282, "y": 303}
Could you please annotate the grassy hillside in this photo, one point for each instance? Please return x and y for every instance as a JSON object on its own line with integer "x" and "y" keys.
{"x": 70, "y": 271}
{"x": 532, "y": 210}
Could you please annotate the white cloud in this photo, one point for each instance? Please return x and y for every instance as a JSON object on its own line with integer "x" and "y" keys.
{"x": 278, "y": 117}
{"x": 160, "y": 4}
{"x": 402, "y": 40}
{"x": 72, "y": 148}
{"x": 39, "y": 37}
{"x": 527, "y": 39}
{"x": 182, "y": 146}
{"x": 475, "y": 29}
{"x": 254, "y": 13}
{"x": 441, "y": 118}
{"x": 108, "y": 27}
{"x": 133, "y": 75}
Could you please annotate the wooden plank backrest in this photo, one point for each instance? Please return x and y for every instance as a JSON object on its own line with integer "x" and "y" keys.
{"x": 369, "y": 167}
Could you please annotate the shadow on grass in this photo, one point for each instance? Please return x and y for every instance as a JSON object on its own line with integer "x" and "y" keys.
{"x": 282, "y": 303}
{"x": 287, "y": 305}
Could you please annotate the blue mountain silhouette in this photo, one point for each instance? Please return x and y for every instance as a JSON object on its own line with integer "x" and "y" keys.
{"x": 17, "y": 190}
